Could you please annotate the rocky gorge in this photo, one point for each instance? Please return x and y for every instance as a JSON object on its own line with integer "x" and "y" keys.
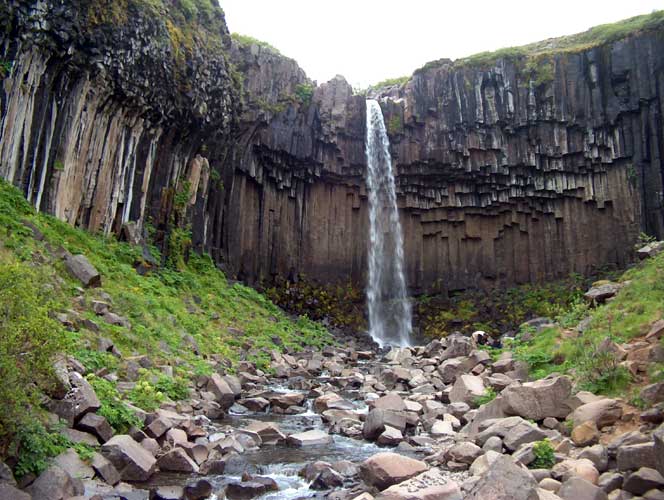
{"x": 497, "y": 159}
{"x": 153, "y": 166}
{"x": 446, "y": 420}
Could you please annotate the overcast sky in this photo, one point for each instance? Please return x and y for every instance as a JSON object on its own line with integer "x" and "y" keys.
{"x": 370, "y": 40}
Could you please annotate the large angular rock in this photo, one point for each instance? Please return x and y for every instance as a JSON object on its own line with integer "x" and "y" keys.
{"x": 386, "y": 469}
{"x": 80, "y": 400}
{"x": 467, "y": 389}
{"x": 457, "y": 346}
{"x": 576, "y": 488}
{"x": 11, "y": 492}
{"x": 599, "y": 294}
{"x": 309, "y": 438}
{"x": 71, "y": 463}
{"x": 80, "y": 268}
{"x": 222, "y": 391}
{"x": 540, "y": 399}
{"x": 133, "y": 462}
{"x": 429, "y": 485}
{"x": 634, "y": 456}
{"x": 504, "y": 480}
{"x": 269, "y": 432}
{"x": 177, "y": 460}
{"x": 105, "y": 469}
{"x": 658, "y": 439}
{"x": 97, "y": 425}
{"x": 377, "y": 420}
{"x": 55, "y": 484}
{"x": 391, "y": 401}
{"x": 603, "y": 412}
{"x": 643, "y": 480}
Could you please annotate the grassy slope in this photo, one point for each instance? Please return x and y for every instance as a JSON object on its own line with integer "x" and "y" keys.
{"x": 166, "y": 309}
{"x": 628, "y": 316}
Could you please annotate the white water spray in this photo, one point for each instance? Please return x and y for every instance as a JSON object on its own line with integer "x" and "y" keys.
{"x": 390, "y": 315}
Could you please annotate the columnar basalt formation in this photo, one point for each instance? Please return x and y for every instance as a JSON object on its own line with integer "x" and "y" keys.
{"x": 504, "y": 175}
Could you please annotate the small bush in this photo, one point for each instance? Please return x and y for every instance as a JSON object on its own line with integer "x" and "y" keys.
{"x": 29, "y": 339}
{"x": 146, "y": 396}
{"x": 36, "y": 446}
{"x": 488, "y": 396}
{"x": 544, "y": 455}
{"x": 176, "y": 388}
{"x": 119, "y": 416}
{"x": 304, "y": 92}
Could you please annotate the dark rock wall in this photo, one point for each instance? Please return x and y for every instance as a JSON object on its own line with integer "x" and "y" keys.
{"x": 503, "y": 176}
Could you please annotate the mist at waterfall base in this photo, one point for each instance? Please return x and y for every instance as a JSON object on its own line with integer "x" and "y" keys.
{"x": 390, "y": 315}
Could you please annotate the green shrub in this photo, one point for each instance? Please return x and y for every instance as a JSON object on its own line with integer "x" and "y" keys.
{"x": 29, "y": 339}
{"x": 176, "y": 388}
{"x": 250, "y": 40}
{"x": 36, "y": 446}
{"x": 118, "y": 414}
{"x": 304, "y": 92}
{"x": 488, "y": 396}
{"x": 544, "y": 455}
{"x": 146, "y": 396}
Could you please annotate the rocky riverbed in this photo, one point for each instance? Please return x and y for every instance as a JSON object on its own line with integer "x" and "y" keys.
{"x": 350, "y": 423}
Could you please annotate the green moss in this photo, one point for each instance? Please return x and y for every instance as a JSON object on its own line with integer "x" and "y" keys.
{"x": 390, "y": 82}
{"x": 394, "y": 124}
{"x": 246, "y": 40}
{"x": 304, "y": 93}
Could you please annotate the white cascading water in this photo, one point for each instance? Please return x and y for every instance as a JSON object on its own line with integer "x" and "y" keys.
{"x": 390, "y": 315}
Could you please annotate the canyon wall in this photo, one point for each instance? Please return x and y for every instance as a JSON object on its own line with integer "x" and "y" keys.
{"x": 505, "y": 174}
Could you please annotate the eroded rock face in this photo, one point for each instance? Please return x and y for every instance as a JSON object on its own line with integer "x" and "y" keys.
{"x": 501, "y": 178}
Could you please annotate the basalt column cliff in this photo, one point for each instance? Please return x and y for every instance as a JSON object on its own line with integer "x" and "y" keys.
{"x": 507, "y": 172}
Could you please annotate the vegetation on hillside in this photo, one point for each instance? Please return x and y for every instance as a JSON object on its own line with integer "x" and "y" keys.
{"x": 189, "y": 23}
{"x": 190, "y": 320}
{"x": 536, "y": 53}
{"x": 588, "y": 355}
{"x": 250, "y": 40}
{"x": 499, "y": 310}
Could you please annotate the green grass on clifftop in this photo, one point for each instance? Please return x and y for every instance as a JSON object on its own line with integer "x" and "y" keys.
{"x": 598, "y": 35}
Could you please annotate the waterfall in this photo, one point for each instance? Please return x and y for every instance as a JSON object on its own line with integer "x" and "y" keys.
{"x": 390, "y": 317}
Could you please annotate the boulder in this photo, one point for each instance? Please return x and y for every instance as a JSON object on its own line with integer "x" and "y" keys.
{"x": 327, "y": 479}
{"x": 269, "y": 432}
{"x": 245, "y": 490}
{"x": 97, "y": 425}
{"x": 132, "y": 461}
{"x": 309, "y": 438}
{"x": 386, "y": 469}
{"x": 177, "y": 460}
{"x": 634, "y": 456}
{"x": 105, "y": 469}
{"x": 603, "y": 412}
{"x": 79, "y": 401}
{"x": 390, "y": 437}
{"x": 55, "y": 484}
{"x": 658, "y": 439}
{"x": 222, "y": 391}
{"x": 585, "y": 434}
{"x": 200, "y": 490}
{"x": 377, "y": 420}
{"x": 465, "y": 453}
{"x": 540, "y": 399}
{"x": 643, "y": 480}
{"x": 80, "y": 268}
{"x": 581, "y": 467}
{"x": 391, "y": 401}
{"x": 653, "y": 393}
{"x": 429, "y": 485}
{"x": 576, "y": 488}
{"x": 598, "y": 294}
{"x": 650, "y": 250}
{"x": 504, "y": 480}
{"x": 467, "y": 389}
{"x": 11, "y": 492}
{"x": 71, "y": 463}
